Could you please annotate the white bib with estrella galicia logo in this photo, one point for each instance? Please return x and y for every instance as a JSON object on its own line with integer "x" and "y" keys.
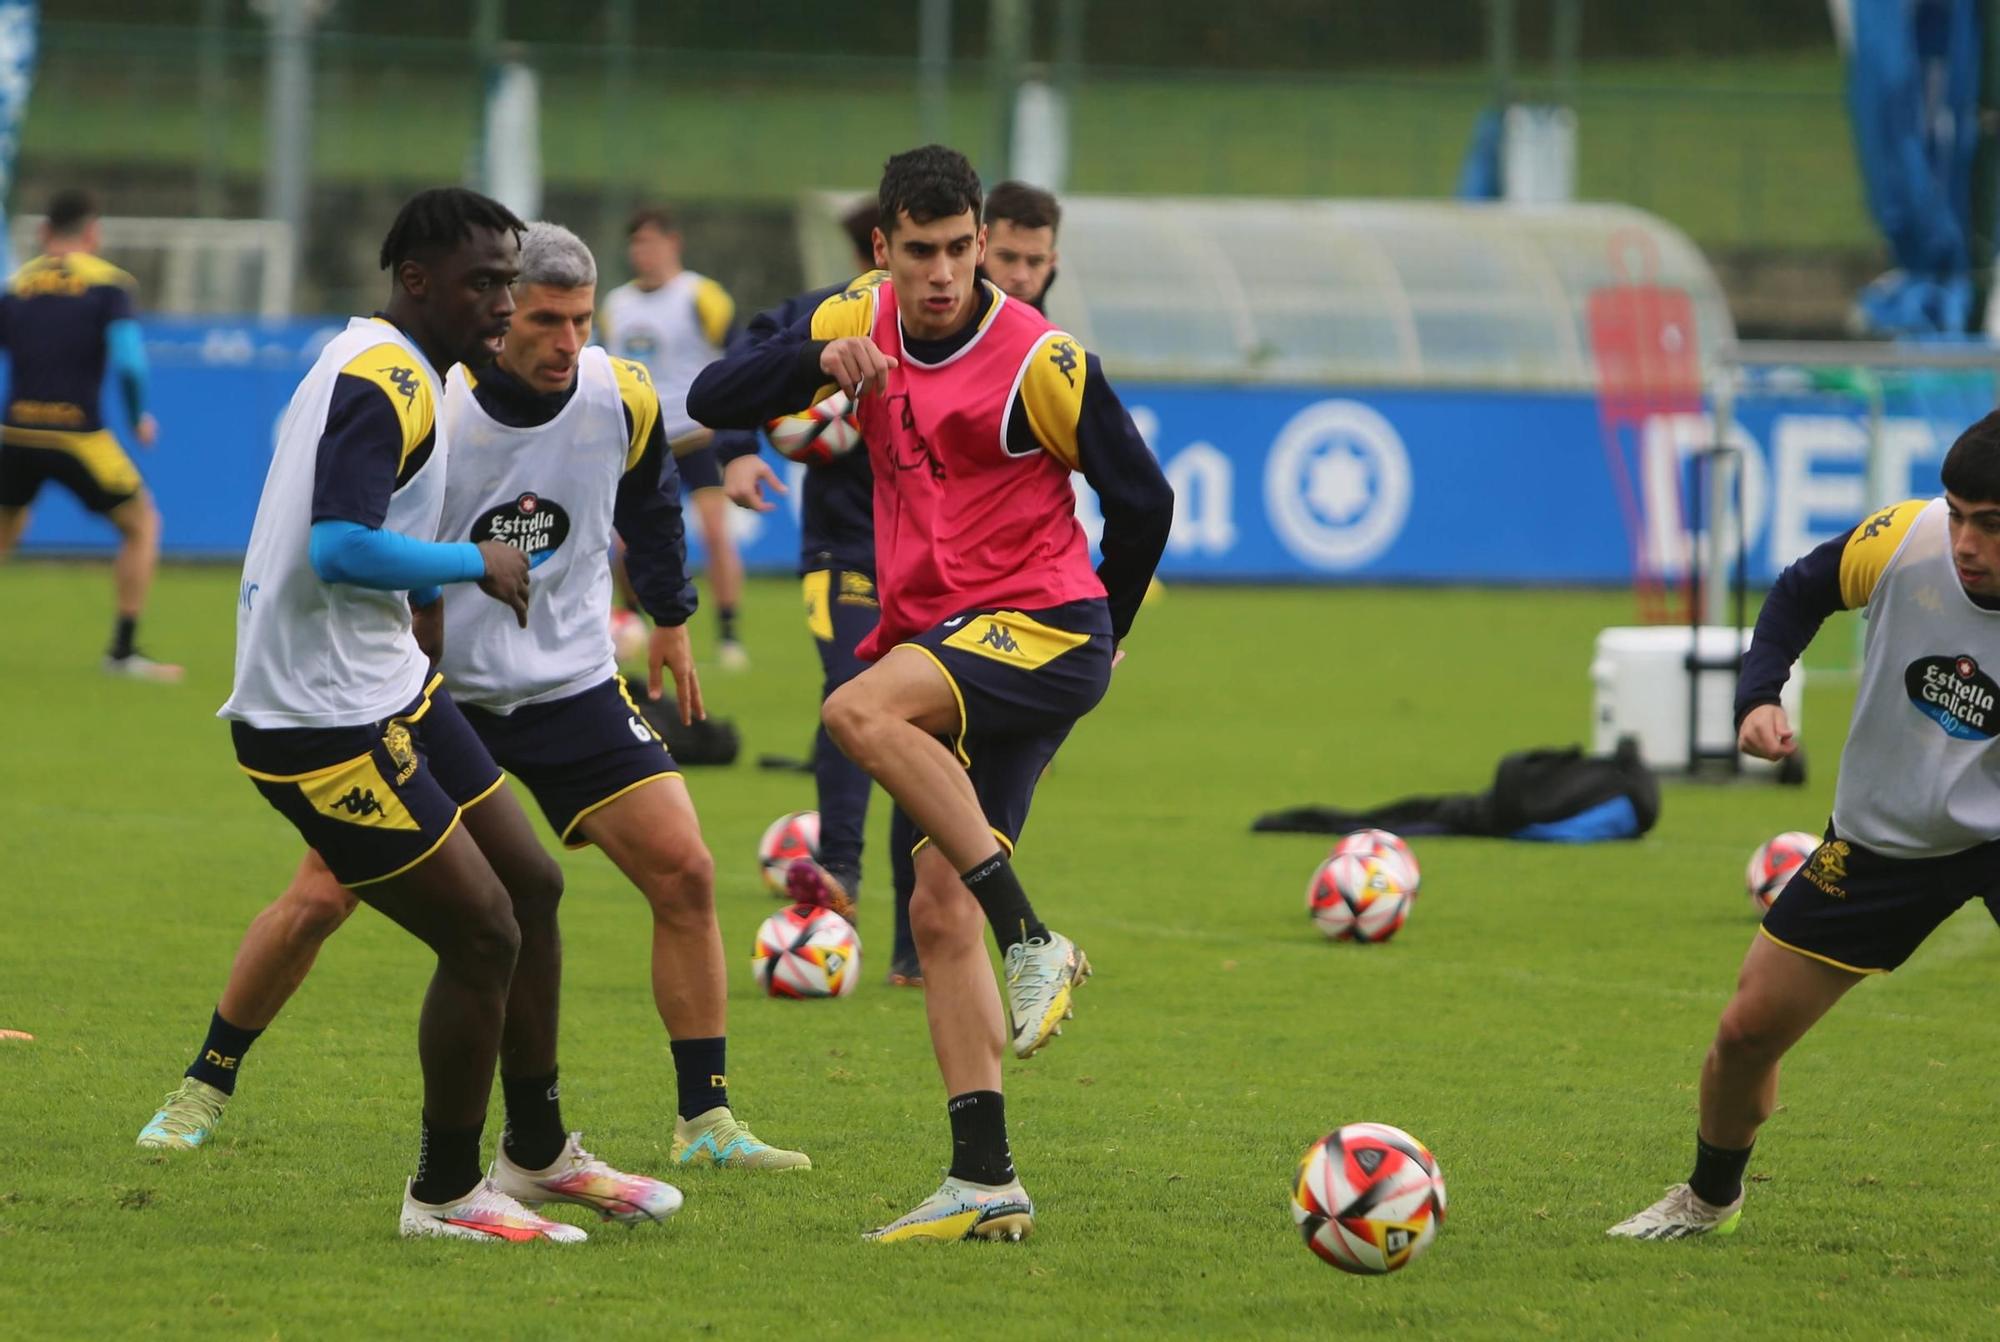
{"x": 1920, "y": 775}
{"x": 550, "y": 488}
{"x": 318, "y": 654}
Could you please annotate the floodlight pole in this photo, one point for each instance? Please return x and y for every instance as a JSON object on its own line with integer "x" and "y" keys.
{"x": 288, "y": 89}
{"x": 1006, "y": 48}
{"x": 618, "y": 37}
{"x": 934, "y": 70}
{"x": 1986, "y": 169}
{"x": 1500, "y": 49}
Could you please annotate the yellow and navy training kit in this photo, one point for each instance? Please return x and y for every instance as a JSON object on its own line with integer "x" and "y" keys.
{"x": 1860, "y": 911}
{"x": 63, "y": 321}
{"x": 576, "y": 755}
{"x": 374, "y": 801}
{"x": 1021, "y": 679}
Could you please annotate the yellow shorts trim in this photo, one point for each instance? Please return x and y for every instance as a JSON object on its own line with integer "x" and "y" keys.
{"x": 597, "y": 806}
{"x": 489, "y": 790}
{"x": 430, "y": 688}
{"x": 1815, "y": 955}
{"x": 416, "y": 861}
{"x": 817, "y": 588}
{"x": 1006, "y": 844}
{"x": 309, "y": 774}
{"x": 625, "y": 693}
{"x": 958, "y": 741}
{"x": 99, "y": 450}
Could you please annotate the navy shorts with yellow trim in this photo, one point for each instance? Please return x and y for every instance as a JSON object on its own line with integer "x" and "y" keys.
{"x": 577, "y": 754}
{"x": 374, "y": 801}
{"x": 700, "y": 469}
{"x": 1022, "y": 679}
{"x": 92, "y": 466}
{"x": 1858, "y": 910}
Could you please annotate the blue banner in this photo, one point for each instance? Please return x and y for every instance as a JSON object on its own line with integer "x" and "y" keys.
{"x": 1285, "y": 484}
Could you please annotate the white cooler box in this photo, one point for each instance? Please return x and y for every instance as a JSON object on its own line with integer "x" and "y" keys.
{"x": 1641, "y": 689}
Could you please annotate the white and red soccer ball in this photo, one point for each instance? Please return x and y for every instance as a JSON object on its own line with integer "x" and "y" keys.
{"x": 817, "y": 436}
{"x": 807, "y": 950}
{"x": 786, "y": 840}
{"x": 1387, "y": 847}
{"x": 1359, "y": 896}
{"x": 1368, "y": 1198}
{"x": 629, "y": 636}
{"x": 1774, "y": 863}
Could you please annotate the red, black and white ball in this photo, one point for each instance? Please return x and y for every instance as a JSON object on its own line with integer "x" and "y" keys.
{"x": 825, "y": 432}
{"x": 1390, "y": 848}
{"x": 1774, "y": 863}
{"x": 629, "y": 636}
{"x": 786, "y": 840}
{"x": 1368, "y": 1198}
{"x": 807, "y": 951}
{"x": 1358, "y": 897}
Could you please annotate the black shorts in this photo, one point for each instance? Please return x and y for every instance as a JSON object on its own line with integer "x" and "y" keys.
{"x": 1858, "y": 910}
{"x": 374, "y": 801}
{"x": 700, "y": 469}
{"x": 1022, "y": 679}
{"x": 577, "y": 754}
{"x": 92, "y": 466}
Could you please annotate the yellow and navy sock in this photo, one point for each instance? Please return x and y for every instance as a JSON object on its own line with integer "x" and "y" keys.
{"x": 221, "y": 1053}
{"x": 700, "y": 1074}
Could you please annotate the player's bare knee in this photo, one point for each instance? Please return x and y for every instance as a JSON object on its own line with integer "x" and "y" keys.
{"x": 1746, "y": 1034}
{"x": 847, "y": 715}
{"x": 681, "y": 886}
{"x": 535, "y": 890}
{"x": 317, "y": 911}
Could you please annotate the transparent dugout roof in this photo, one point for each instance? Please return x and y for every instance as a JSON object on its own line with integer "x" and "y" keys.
{"x": 1413, "y": 293}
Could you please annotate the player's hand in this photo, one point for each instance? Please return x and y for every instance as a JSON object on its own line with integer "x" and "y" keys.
{"x": 856, "y": 364}
{"x": 1766, "y": 733}
{"x": 671, "y": 649}
{"x": 506, "y": 579}
{"x": 743, "y": 480}
{"x": 427, "y": 626}
{"x": 1117, "y": 656}
{"x": 147, "y": 430}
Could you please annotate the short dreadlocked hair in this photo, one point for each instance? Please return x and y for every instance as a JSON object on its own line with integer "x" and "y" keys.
{"x": 927, "y": 184}
{"x": 435, "y": 221}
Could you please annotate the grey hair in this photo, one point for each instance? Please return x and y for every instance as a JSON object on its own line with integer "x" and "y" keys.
{"x": 552, "y": 255}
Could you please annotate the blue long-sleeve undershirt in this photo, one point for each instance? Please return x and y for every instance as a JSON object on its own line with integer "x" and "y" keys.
{"x": 389, "y": 561}
{"x": 125, "y": 353}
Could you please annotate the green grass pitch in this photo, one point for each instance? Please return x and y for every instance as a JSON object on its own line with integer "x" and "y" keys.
{"x": 1538, "y": 1023}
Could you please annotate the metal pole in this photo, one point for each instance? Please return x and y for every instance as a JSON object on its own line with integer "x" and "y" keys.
{"x": 617, "y": 100}
{"x": 288, "y": 114}
{"x": 1006, "y": 45}
{"x": 934, "y": 70}
{"x": 1500, "y": 49}
{"x": 211, "y": 89}
{"x": 1986, "y": 170}
{"x": 1069, "y": 48}
{"x": 1565, "y": 40}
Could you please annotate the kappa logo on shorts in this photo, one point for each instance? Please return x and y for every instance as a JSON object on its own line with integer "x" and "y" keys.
{"x": 402, "y": 751}
{"x": 997, "y": 638}
{"x": 358, "y": 802}
{"x": 1827, "y": 867}
{"x": 1954, "y": 693}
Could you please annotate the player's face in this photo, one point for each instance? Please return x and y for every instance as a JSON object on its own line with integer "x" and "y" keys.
{"x": 1020, "y": 260}
{"x": 468, "y": 296}
{"x": 1975, "y": 544}
{"x": 932, "y": 267}
{"x": 551, "y": 326}
{"x": 654, "y": 255}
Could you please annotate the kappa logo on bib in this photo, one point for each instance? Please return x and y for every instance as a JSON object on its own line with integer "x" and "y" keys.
{"x": 531, "y": 523}
{"x": 1954, "y": 693}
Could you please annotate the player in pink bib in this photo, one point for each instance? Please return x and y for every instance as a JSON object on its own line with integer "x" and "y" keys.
{"x": 996, "y": 633}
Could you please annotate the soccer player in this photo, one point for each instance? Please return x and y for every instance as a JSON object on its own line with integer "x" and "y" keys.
{"x": 995, "y": 635}
{"x": 837, "y": 571}
{"x": 673, "y": 321}
{"x": 338, "y": 718}
{"x": 1021, "y": 256}
{"x": 1916, "y": 811}
{"x": 66, "y": 319}
{"x": 555, "y": 445}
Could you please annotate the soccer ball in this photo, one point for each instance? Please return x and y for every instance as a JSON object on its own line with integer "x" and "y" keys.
{"x": 1390, "y": 848}
{"x": 807, "y": 951}
{"x": 628, "y": 637}
{"x": 825, "y": 432}
{"x": 1358, "y": 897}
{"x": 1368, "y": 1198}
{"x": 1774, "y": 863}
{"x": 789, "y": 838}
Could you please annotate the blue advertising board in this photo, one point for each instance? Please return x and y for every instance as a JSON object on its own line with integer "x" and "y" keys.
{"x": 1272, "y": 483}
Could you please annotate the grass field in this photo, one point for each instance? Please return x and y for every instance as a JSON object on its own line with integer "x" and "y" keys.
{"x": 1538, "y": 1022}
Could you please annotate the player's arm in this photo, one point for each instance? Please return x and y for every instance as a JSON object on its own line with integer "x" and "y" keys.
{"x": 647, "y": 515}
{"x": 755, "y": 383}
{"x": 1067, "y": 408}
{"x": 376, "y": 438}
{"x": 125, "y": 357}
{"x": 1840, "y": 575}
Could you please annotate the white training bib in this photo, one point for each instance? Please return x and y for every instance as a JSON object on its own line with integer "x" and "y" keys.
{"x": 549, "y": 489}
{"x": 661, "y": 328}
{"x": 318, "y": 654}
{"x": 1920, "y": 776}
